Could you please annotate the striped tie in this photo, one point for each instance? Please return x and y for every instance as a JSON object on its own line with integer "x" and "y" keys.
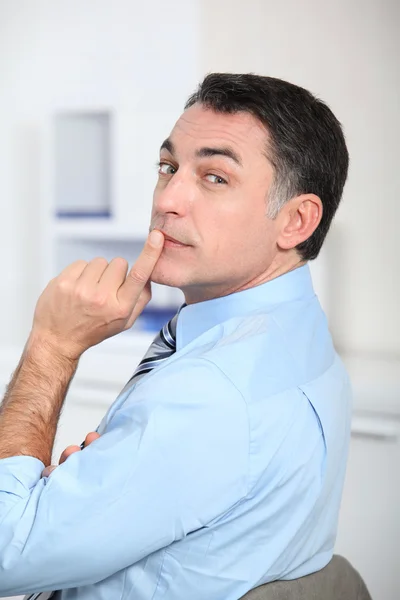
{"x": 41, "y": 595}
{"x": 161, "y": 348}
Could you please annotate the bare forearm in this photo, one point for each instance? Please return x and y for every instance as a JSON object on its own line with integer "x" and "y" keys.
{"x": 32, "y": 404}
{"x": 85, "y": 304}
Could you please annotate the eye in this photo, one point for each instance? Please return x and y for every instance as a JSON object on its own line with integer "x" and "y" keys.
{"x": 166, "y": 169}
{"x": 215, "y": 179}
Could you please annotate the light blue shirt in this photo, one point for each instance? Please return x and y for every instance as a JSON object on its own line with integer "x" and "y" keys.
{"x": 218, "y": 471}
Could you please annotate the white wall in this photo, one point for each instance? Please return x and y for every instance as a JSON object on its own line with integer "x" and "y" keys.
{"x": 347, "y": 53}
{"x": 55, "y": 53}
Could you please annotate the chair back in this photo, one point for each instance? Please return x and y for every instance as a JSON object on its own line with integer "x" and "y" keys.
{"x": 337, "y": 581}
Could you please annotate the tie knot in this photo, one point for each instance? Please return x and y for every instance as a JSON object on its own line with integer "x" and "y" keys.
{"x": 168, "y": 333}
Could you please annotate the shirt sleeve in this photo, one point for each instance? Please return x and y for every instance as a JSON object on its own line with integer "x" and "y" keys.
{"x": 173, "y": 457}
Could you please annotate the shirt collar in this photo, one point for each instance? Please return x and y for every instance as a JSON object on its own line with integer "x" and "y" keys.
{"x": 195, "y": 319}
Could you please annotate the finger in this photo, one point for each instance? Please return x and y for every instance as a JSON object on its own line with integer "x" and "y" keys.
{"x": 93, "y": 435}
{"x": 114, "y": 275}
{"x": 94, "y": 270}
{"x": 46, "y": 472}
{"x": 74, "y": 270}
{"x": 145, "y": 296}
{"x": 143, "y": 299}
{"x": 67, "y": 452}
{"x": 139, "y": 275}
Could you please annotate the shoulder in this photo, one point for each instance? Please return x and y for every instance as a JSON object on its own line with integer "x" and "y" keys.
{"x": 271, "y": 351}
{"x": 190, "y": 415}
{"x": 190, "y": 397}
{"x": 197, "y": 377}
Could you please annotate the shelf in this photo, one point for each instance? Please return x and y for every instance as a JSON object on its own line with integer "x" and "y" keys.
{"x": 69, "y": 249}
{"x": 93, "y": 229}
{"x": 376, "y": 383}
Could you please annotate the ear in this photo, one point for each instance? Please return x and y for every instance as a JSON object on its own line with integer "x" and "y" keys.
{"x": 299, "y": 218}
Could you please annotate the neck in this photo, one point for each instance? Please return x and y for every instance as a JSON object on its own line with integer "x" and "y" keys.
{"x": 276, "y": 269}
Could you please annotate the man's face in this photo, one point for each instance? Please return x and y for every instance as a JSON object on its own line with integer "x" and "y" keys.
{"x": 211, "y": 195}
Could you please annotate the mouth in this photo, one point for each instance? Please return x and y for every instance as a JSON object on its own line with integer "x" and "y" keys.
{"x": 171, "y": 242}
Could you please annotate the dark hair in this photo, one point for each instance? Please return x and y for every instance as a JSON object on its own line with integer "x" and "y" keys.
{"x": 306, "y": 145}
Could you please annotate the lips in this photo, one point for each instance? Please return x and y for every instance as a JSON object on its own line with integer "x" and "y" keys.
{"x": 171, "y": 239}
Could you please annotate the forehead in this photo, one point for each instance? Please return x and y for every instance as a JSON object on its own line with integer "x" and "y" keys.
{"x": 199, "y": 126}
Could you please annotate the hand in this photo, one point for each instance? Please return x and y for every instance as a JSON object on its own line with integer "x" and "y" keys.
{"x": 89, "y": 302}
{"x": 93, "y": 435}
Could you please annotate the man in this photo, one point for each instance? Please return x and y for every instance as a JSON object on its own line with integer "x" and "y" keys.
{"x": 220, "y": 466}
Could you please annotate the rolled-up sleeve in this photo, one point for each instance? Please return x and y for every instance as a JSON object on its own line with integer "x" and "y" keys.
{"x": 173, "y": 457}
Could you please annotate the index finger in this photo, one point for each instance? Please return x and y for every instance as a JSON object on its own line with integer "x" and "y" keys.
{"x": 141, "y": 271}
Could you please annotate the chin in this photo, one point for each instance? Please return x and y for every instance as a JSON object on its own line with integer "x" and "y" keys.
{"x": 175, "y": 271}
{"x": 165, "y": 276}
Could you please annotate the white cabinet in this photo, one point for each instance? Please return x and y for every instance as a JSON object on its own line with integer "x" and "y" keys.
{"x": 369, "y": 526}
{"x": 98, "y": 177}
{"x": 76, "y": 421}
{"x": 100, "y": 170}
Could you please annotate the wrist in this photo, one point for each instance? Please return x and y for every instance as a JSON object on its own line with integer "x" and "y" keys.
{"x": 42, "y": 349}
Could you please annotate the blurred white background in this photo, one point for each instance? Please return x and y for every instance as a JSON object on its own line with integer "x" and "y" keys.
{"x": 139, "y": 61}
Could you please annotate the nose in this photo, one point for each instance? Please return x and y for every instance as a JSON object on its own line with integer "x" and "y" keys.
{"x": 174, "y": 196}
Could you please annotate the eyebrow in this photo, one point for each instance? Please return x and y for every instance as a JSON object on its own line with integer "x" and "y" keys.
{"x": 168, "y": 145}
{"x": 206, "y": 151}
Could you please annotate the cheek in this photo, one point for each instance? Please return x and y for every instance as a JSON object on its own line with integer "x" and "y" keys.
{"x": 227, "y": 230}
{"x": 156, "y": 194}
{"x": 254, "y": 239}
{"x": 227, "y": 243}
{"x": 153, "y": 209}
